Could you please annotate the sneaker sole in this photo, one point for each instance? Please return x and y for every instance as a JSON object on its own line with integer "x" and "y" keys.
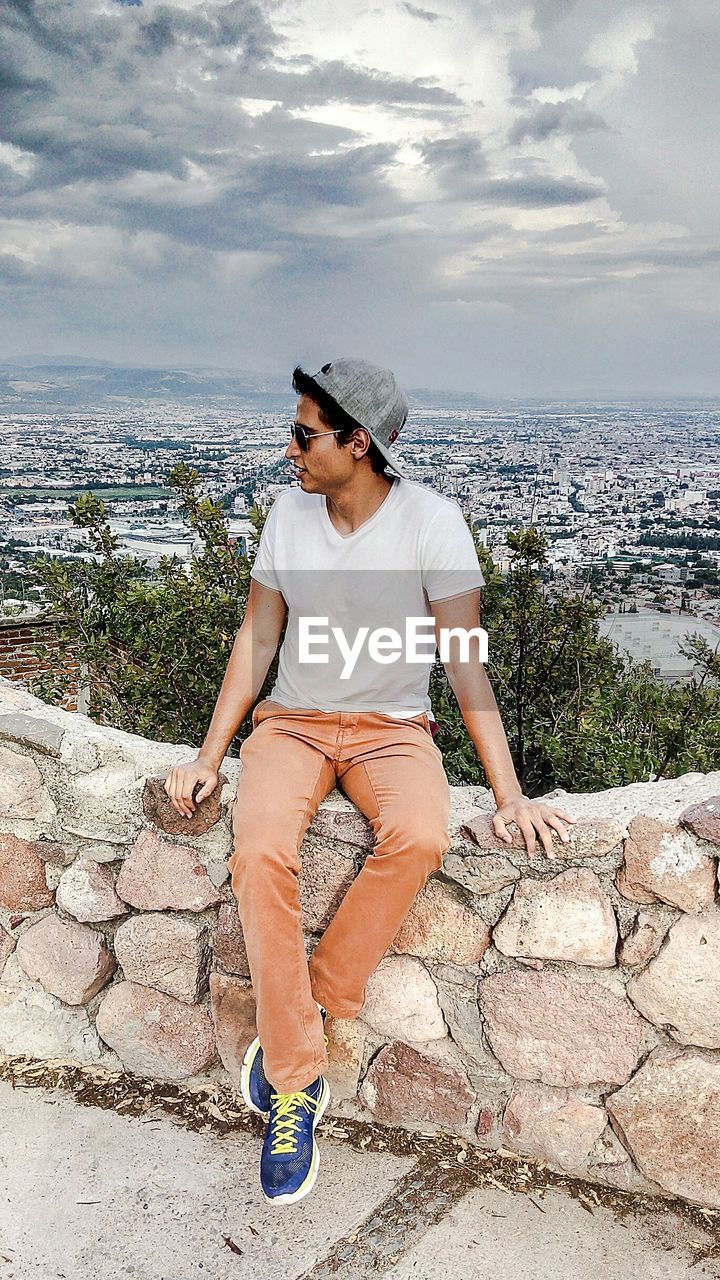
{"x": 309, "y": 1182}
{"x": 250, "y": 1055}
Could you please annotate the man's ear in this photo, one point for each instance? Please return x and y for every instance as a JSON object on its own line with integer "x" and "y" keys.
{"x": 362, "y": 437}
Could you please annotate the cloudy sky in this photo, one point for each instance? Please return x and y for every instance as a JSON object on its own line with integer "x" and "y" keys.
{"x": 507, "y": 196}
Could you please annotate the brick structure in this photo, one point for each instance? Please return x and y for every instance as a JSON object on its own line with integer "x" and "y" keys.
{"x": 19, "y": 638}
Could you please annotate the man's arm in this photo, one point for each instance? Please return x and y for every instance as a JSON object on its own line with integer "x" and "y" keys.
{"x": 479, "y": 710}
{"x": 254, "y": 649}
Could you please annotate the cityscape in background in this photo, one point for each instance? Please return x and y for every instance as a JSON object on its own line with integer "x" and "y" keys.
{"x": 627, "y": 491}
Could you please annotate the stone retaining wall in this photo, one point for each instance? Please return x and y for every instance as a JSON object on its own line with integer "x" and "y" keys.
{"x": 564, "y": 1009}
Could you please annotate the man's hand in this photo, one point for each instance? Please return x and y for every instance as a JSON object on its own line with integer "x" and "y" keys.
{"x": 528, "y": 815}
{"x": 182, "y": 780}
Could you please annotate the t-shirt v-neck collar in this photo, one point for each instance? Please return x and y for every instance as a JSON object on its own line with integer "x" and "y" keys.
{"x": 347, "y": 537}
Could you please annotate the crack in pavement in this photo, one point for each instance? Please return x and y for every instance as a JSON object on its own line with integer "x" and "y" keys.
{"x": 417, "y": 1202}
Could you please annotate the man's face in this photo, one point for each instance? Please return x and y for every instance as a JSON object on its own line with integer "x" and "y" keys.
{"x": 322, "y": 467}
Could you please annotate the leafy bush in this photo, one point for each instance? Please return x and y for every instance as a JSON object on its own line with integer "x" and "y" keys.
{"x": 577, "y": 715}
{"x": 154, "y": 644}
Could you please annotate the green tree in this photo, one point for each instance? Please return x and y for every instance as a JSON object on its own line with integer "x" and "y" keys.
{"x": 155, "y": 645}
{"x": 577, "y": 714}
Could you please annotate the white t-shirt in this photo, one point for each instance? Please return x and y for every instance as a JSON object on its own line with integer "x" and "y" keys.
{"x": 415, "y": 548}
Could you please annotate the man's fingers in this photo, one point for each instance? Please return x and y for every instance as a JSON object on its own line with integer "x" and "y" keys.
{"x": 528, "y": 831}
{"x": 180, "y": 784}
{"x": 555, "y": 822}
{"x": 546, "y": 837}
{"x": 540, "y": 818}
{"x": 501, "y": 831}
{"x": 537, "y": 819}
{"x": 527, "y": 825}
{"x": 183, "y": 794}
{"x": 171, "y": 786}
{"x": 187, "y": 800}
{"x": 206, "y": 790}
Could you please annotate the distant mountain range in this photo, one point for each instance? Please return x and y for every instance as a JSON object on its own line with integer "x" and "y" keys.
{"x": 37, "y": 383}
{"x": 46, "y": 362}
{"x": 40, "y": 383}
{"x": 37, "y": 361}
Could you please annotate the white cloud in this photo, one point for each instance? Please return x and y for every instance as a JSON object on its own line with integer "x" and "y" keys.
{"x": 614, "y": 51}
{"x": 17, "y": 159}
{"x": 551, "y": 94}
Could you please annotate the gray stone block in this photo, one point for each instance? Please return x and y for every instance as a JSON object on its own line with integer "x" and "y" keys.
{"x": 31, "y": 731}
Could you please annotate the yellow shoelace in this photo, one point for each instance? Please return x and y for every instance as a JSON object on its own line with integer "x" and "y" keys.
{"x": 286, "y": 1118}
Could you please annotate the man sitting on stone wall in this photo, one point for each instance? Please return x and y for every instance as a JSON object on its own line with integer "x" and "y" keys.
{"x": 350, "y": 557}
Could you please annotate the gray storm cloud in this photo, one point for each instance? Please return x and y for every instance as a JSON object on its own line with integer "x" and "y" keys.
{"x": 500, "y": 199}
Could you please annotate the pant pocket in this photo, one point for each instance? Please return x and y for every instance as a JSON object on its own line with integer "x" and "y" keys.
{"x": 426, "y": 723}
{"x": 254, "y": 718}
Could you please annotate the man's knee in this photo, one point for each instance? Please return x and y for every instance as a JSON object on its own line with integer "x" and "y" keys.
{"x": 435, "y": 851}
{"x": 426, "y": 841}
{"x": 259, "y": 845}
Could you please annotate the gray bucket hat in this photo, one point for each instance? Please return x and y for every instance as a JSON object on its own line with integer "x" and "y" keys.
{"x": 371, "y": 395}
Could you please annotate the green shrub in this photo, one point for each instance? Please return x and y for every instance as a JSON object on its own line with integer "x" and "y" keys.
{"x": 578, "y": 716}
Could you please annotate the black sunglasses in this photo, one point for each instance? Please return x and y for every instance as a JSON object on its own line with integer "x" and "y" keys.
{"x": 302, "y": 435}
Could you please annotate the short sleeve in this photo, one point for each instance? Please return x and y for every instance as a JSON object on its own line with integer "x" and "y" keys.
{"x": 264, "y": 568}
{"x": 450, "y": 564}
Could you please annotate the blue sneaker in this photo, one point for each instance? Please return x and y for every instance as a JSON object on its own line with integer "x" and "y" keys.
{"x": 254, "y": 1084}
{"x": 290, "y": 1156}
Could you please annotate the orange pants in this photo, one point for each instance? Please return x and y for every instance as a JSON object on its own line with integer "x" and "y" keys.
{"x": 392, "y": 770}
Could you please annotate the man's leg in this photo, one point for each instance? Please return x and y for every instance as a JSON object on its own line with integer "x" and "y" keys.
{"x": 283, "y": 780}
{"x": 393, "y": 772}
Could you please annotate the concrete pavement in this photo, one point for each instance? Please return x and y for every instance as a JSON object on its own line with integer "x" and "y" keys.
{"x": 87, "y": 1192}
